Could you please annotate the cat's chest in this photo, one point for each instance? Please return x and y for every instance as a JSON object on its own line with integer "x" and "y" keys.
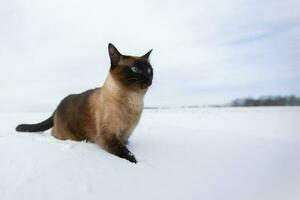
{"x": 120, "y": 115}
{"x": 130, "y": 116}
{"x": 125, "y": 121}
{"x": 130, "y": 121}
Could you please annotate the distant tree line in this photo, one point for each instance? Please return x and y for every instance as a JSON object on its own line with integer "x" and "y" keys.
{"x": 268, "y": 101}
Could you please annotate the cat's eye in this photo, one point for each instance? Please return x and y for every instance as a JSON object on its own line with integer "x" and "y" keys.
{"x": 149, "y": 70}
{"x": 134, "y": 69}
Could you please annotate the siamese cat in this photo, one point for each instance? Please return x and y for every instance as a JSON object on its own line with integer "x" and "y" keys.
{"x": 107, "y": 115}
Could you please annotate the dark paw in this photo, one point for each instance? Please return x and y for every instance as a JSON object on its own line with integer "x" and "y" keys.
{"x": 130, "y": 157}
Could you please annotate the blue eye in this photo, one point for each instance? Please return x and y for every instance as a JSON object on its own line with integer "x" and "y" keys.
{"x": 134, "y": 69}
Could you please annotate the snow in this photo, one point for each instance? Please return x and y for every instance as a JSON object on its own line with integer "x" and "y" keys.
{"x": 205, "y": 153}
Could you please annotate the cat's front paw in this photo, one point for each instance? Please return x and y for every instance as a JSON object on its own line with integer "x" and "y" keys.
{"x": 130, "y": 157}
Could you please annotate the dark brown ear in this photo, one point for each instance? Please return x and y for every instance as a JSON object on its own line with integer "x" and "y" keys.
{"x": 147, "y": 54}
{"x": 114, "y": 55}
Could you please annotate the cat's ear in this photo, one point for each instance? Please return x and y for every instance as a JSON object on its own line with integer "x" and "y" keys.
{"x": 147, "y": 55}
{"x": 114, "y": 55}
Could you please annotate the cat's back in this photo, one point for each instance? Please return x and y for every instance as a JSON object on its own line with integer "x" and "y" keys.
{"x": 76, "y": 102}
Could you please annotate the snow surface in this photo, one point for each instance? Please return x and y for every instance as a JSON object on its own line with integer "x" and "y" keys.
{"x": 207, "y": 153}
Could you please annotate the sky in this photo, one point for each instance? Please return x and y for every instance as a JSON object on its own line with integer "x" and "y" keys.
{"x": 204, "y": 52}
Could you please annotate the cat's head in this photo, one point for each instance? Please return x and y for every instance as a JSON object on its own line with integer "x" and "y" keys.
{"x": 132, "y": 72}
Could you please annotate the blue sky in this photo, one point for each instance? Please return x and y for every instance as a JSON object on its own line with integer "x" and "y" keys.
{"x": 204, "y": 52}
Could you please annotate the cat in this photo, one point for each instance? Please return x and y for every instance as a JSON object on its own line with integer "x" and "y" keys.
{"x": 107, "y": 115}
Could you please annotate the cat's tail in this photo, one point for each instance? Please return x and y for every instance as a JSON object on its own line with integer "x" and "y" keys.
{"x": 42, "y": 126}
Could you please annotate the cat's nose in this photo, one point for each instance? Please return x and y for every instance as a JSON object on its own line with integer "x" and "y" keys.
{"x": 149, "y": 77}
{"x": 148, "y": 80}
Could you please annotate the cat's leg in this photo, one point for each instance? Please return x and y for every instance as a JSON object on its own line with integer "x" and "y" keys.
{"x": 114, "y": 146}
